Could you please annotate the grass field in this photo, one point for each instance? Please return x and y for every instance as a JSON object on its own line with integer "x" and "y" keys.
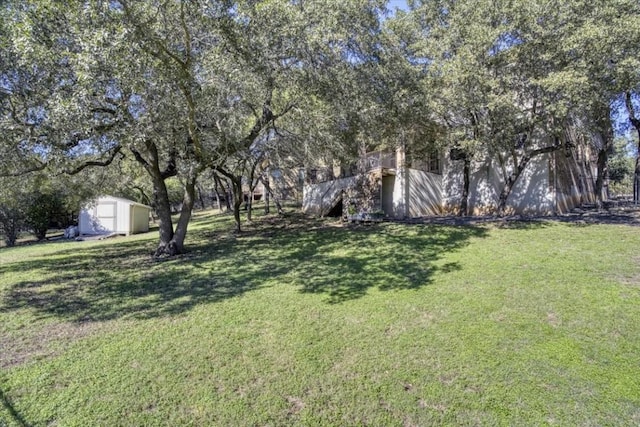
{"x": 301, "y": 322}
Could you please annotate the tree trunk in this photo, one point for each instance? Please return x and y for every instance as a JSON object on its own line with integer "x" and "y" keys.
{"x": 11, "y": 226}
{"x": 176, "y": 245}
{"x": 269, "y": 193}
{"x": 170, "y": 243}
{"x": 162, "y": 206}
{"x": 606, "y": 133}
{"x": 636, "y": 179}
{"x": 200, "y": 198}
{"x": 265, "y": 193}
{"x": 218, "y": 202}
{"x": 636, "y": 172}
{"x": 236, "y": 181}
{"x": 464, "y": 202}
{"x": 506, "y": 191}
{"x": 220, "y": 187}
{"x": 249, "y": 205}
{"x": 519, "y": 167}
{"x": 635, "y": 122}
{"x": 603, "y": 160}
{"x": 229, "y": 195}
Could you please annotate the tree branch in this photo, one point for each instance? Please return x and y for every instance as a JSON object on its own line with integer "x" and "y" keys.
{"x": 92, "y": 163}
{"x": 139, "y": 158}
{"x": 37, "y": 168}
{"x": 631, "y": 110}
{"x": 171, "y": 169}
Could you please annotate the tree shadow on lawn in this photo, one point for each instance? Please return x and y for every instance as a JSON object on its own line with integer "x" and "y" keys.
{"x": 15, "y": 415}
{"x": 120, "y": 279}
{"x": 345, "y": 264}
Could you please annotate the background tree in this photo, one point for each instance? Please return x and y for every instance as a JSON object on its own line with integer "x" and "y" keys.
{"x": 622, "y": 161}
{"x": 630, "y": 98}
{"x": 177, "y": 86}
{"x": 42, "y": 208}
{"x": 513, "y": 79}
{"x": 12, "y": 210}
{"x": 599, "y": 48}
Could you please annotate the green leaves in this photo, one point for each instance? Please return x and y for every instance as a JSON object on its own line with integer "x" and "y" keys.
{"x": 497, "y": 60}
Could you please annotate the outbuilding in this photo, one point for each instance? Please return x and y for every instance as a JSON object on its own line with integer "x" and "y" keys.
{"x": 113, "y": 215}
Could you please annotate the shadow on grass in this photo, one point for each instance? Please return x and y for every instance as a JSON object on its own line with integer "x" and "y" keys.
{"x": 345, "y": 265}
{"x": 15, "y": 415}
{"x": 119, "y": 279}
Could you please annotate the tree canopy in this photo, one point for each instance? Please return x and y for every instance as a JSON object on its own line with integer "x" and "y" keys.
{"x": 178, "y": 89}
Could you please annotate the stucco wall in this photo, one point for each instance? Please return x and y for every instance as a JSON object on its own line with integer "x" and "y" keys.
{"x": 318, "y": 199}
{"x": 286, "y": 183}
{"x": 425, "y": 193}
{"x": 551, "y": 183}
{"x": 531, "y": 194}
{"x": 574, "y": 181}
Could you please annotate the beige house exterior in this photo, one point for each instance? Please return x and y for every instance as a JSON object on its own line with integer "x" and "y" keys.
{"x": 552, "y": 183}
{"x": 284, "y": 185}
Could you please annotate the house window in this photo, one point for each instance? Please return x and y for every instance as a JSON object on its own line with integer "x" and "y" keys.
{"x": 433, "y": 163}
{"x": 312, "y": 176}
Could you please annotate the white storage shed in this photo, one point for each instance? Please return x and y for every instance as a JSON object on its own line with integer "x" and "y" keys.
{"x": 113, "y": 215}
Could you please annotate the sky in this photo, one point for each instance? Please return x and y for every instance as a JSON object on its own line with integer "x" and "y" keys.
{"x": 393, "y": 4}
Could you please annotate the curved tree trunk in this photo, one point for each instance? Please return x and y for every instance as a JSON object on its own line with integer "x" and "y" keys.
{"x": 249, "y": 207}
{"x": 270, "y": 194}
{"x": 200, "y": 197}
{"x": 635, "y": 122}
{"x": 236, "y": 190}
{"x": 175, "y": 245}
{"x": 606, "y": 132}
{"x": 520, "y": 166}
{"x": 603, "y": 169}
{"x": 170, "y": 243}
{"x": 236, "y": 182}
{"x": 459, "y": 154}
{"x": 162, "y": 207}
{"x": 464, "y": 202}
{"x": 636, "y": 179}
{"x": 220, "y": 187}
{"x": 161, "y": 203}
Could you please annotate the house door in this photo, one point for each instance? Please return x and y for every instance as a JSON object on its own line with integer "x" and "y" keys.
{"x": 106, "y": 216}
{"x": 388, "y": 182}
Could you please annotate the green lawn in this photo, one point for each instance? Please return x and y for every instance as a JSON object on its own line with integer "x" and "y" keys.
{"x": 310, "y": 323}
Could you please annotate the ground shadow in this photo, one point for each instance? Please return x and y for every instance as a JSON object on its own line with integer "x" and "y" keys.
{"x": 345, "y": 264}
{"x": 13, "y": 413}
{"x": 120, "y": 279}
{"x": 623, "y": 214}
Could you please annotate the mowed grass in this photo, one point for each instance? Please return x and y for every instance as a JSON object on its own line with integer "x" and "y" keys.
{"x": 301, "y": 322}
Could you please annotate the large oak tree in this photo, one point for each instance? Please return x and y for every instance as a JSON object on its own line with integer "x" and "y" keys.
{"x": 180, "y": 87}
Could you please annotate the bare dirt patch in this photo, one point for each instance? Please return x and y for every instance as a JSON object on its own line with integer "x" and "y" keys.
{"x": 295, "y": 405}
{"x": 23, "y": 346}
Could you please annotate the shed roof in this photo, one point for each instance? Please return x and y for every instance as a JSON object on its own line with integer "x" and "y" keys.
{"x": 127, "y": 201}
